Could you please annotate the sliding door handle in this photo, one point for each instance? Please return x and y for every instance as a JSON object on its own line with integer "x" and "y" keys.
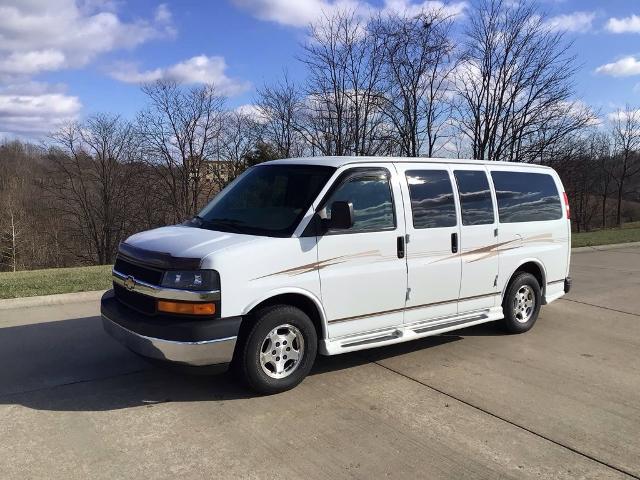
{"x": 454, "y": 243}
{"x": 400, "y": 245}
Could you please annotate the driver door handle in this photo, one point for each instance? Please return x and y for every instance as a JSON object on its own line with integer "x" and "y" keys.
{"x": 454, "y": 243}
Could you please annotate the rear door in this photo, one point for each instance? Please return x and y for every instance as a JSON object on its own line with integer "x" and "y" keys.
{"x": 533, "y": 223}
{"x": 478, "y": 239}
{"x": 433, "y": 229}
{"x": 363, "y": 275}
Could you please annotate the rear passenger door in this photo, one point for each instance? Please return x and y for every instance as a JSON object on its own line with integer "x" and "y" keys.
{"x": 478, "y": 239}
{"x": 533, "y": 224}
{"x": 432, "y": 227}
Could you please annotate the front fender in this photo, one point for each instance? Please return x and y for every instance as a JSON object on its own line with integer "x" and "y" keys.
{"x": 291, "y": 290}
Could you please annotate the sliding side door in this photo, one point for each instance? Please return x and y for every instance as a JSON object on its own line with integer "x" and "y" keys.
{"x": 433, "y": 231}
{"x": 478, "y": 239}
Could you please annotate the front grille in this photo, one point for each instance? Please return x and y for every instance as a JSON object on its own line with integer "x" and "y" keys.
{"x": 139, "y": 272}
{"x": 137, "y": 301}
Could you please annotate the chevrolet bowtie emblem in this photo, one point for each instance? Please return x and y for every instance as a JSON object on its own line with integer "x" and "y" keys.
{"x": 130, "y": 283}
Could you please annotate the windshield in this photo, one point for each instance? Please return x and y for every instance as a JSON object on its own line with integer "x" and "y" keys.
{"x": 265, "y": 200}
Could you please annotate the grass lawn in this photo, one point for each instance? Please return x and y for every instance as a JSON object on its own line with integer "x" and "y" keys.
{"x": 630, "y": 232}
{"x": 54, "y": 280}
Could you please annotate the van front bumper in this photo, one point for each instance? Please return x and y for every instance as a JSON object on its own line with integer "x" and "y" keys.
{"x": 192, "y": 342}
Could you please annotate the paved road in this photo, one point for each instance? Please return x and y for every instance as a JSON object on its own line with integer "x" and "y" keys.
{"x": 562, "y": 401}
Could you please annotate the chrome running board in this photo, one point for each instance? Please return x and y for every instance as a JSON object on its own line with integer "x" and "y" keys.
{"x": 451, "y": 323}
{"x": 391, "y": 335}
{"x": 375, "y": 339}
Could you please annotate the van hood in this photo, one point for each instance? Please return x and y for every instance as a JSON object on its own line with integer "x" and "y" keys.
{"x": 185, "y": 242}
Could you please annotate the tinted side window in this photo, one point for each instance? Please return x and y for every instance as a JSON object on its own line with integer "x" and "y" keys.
{"x": 432, "y": 203}
{"x": 475, "y": 197}
{"x": 526, "y": 197}
{"x": 370, "y": 194}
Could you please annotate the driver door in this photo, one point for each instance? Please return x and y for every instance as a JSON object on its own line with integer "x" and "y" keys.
{"x": 363, "y": 272}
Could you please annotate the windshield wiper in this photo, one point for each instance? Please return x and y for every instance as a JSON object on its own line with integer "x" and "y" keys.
{"x": 229, "y": 223}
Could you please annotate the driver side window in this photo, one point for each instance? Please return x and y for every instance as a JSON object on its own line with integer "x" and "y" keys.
{"x": 370, "y": 193}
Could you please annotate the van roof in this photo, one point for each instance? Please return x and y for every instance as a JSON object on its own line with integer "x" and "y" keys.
{"x": 347, "y": 160}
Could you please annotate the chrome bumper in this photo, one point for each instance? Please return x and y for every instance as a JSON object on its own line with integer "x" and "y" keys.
{"x": 208, "y": 352}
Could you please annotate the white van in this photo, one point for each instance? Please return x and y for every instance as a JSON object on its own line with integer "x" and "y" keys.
{"x": 336, "y": 254}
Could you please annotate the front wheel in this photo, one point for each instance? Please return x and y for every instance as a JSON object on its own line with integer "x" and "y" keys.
{"x": 521, "y": 303}
{"x": 280, "y": 349}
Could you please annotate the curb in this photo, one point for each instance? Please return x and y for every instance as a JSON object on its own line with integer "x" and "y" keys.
{"x": 612, "y": 246}
{"x": 45, "y": 300}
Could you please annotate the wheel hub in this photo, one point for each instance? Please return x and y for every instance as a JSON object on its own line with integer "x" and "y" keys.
{"x": 281, "y": 351}
{"x": 524, "y": 303}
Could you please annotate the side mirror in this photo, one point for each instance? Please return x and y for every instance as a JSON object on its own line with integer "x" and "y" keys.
{"x": 341, "y": 216}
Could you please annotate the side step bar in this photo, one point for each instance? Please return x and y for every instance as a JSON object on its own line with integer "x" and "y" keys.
{"x": 379, "y": 338}
{"x": 430, "y": 328}
{"x": 373, "y": 338}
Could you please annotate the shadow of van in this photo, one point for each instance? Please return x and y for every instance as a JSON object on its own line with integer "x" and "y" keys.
{"x": 73, "y": 365}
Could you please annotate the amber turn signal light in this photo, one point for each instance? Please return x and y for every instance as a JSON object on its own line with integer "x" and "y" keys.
{"x": 186, "y": 308}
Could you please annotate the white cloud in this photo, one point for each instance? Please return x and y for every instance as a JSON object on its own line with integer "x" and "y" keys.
{"x": 625, "y": 67}
{"x": 47, "y": 35}
{"x": 296, "y": 13}
{"x": 623, "y": 115}
{"x": 42, "y": 35}
{"x": 300, "y": 13}
{"x": 624, "y": 25}
{"x": 198, "y": 69}
{"x": 410, "y": 8}
{"x": 572, "y": 22}
{"x": 31, "y": 62}
{"x": 36, "y": 113}
{"x": 163, "y": 14}
{"x": 252, "y": 111}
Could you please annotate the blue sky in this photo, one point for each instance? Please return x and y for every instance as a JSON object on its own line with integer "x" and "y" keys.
{"x": 65, "y": 59}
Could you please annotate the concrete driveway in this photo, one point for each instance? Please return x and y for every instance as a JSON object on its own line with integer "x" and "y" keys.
{"x": 562, "y": 401}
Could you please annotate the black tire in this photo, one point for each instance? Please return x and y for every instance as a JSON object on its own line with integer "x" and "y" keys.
{"x": 266, "y": 321}
{"x": 518, "y": 318}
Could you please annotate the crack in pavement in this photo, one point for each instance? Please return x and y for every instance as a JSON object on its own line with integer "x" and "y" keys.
{"x": 503, "y": 419}
{"x": 75, "y": 382}
{"x": 599, "y": 306}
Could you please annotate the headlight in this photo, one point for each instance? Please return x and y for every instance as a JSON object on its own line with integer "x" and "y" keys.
{"x": 192, "y": 280}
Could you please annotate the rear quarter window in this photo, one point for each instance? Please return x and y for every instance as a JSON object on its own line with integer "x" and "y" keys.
{"x": 526, "y": 197}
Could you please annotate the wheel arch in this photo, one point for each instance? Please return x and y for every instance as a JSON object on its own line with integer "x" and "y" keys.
{"x": 533, "y": 266}
{"x": 299, "y": 298}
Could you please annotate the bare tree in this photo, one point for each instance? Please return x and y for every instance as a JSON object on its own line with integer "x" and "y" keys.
{"x": 605, "y": 170}
{"x": 515, "y": 83}
{"x": 417, "y": 68}
{"x": 12, "y": 227}
{"x": 578, "y": 161}
{"x": 179, "y": 132}
{"x": 89, "y": 183}
{"x": 342, "y": 112}
{"x": 626, "y": 144}
{"x": 239, "y": 137}
{"x": 279, "y": 107}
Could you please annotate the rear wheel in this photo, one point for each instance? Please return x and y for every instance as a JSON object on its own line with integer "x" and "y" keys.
{"x": 280, "y": 349}
{"x": 521, "y": 303}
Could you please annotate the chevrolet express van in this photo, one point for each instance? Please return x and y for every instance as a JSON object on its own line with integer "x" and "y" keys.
{"x": 335, "y": 254}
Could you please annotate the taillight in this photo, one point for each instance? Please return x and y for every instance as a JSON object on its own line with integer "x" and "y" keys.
{"x": 566, "y": 202}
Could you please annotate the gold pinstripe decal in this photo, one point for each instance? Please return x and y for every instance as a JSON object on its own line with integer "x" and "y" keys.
{"x": 310, "y": 267}
{"x": 413, "y": 307}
